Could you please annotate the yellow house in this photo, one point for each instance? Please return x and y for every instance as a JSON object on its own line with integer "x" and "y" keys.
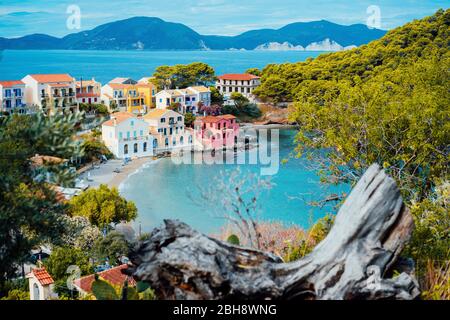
{"x": 147, "y": 91}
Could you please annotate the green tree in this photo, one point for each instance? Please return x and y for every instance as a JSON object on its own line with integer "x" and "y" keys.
{"x": 181, "y": 76}
{"x": 29, "y": 211}
{"x": 63, "y": 257}
{"x": 254, "y": 71}
{"x": 94, "y": 148}
{"x": 112, "y": 247}
{"x": 216, "y": 96}
{"x": 103, "y": 206}
{"x": 189, "y": 120}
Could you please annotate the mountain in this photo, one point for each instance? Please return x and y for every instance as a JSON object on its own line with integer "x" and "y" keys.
{"x": 148, "y": 33}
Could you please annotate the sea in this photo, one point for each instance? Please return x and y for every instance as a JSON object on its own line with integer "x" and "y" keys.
{"x": 165, "y": 190}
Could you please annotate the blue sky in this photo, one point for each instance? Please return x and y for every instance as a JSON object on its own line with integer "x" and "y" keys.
{"x": 222, "y": 17}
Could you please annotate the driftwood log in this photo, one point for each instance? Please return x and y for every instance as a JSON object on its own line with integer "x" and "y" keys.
{"x": 355, "y": 261}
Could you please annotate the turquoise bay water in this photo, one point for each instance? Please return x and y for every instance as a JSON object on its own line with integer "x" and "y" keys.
{"x": 163, "y": 190}
{"x": 106, "y": 65}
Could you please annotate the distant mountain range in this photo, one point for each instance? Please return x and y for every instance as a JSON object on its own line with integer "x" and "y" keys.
{"x": 146, "y": 33}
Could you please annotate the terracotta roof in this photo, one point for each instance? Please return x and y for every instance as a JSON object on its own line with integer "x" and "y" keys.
{"x": 114, "y": 276}
{"x": 43, "y": 78}
{"x": 155, "y": 114}
{"x": 120, "y": 117}
{"x": 209, "y": 119}
{"x": 59, "y": 85}
{"x": 240, "y": 77}
{"x": 117, "y": 86}
{"x": 87, "y": 83}
{"x": 38, "y": 160}
{"x": 201, "y": 89}
{"x": 42, "y": 276}
{"x": 11, "y": 83}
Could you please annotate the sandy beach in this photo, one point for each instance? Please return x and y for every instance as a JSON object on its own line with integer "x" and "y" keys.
{"x": 104, "y": 173}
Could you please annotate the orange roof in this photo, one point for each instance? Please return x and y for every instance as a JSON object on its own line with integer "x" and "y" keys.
{"x": 209, "y": 119}
{"x": 113, "y": 276}
{"x": 235, "y": 76}
{"x": 120, "y": 117}
{"x": 11, "y": 83}
{"x": 42, "y": 276}
{"x": 44, "y": 78}
{"x": 117, "y": 86}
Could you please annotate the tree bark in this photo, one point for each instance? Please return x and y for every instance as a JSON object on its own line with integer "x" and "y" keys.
{"x": 355, "y": 260}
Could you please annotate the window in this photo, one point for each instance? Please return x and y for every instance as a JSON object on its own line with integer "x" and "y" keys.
{"x": 174, "y": 142}
{"x": 145, "y": 147}
{"x": 179, "y": 119}
{"x": 135, "y": 147}
{"x": 132, "y": 123}
{"x": 218, "y": 126}
{"x": 125, "y": 149}
{"x": 171, "y": 131}
{"x": 181, "y": 140}
{"x": 141, "y": 133}
{"x": 167, "y": 142}
{"x": 8, "y": 93}
{"x": 193, "y": 99}
{"x": 165, "y": 131}
{"x": 120, "y": 135}
{"x": 134, "y": 134}
{"x": 155, "y": 143}
{"x": 128, "y": 134}
{"x": 160, "y": 100}
{"x": 163, "y": 120}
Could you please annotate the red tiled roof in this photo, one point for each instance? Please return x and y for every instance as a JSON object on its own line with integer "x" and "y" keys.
{"x": 239, "y": 77}
{"x": 209, "y": 119}
{"x": 10, "y": 83}
{"x": 42, "y": 276}
{"x": 44, "y": 78}
{"x": 113, "y": 276}
{"x": 120, "y": 117}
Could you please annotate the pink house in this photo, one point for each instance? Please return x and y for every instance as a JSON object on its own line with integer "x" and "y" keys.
{"x": 217, "y": 132}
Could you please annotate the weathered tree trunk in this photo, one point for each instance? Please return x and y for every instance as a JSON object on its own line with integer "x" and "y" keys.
{"x": 353, "y": 262}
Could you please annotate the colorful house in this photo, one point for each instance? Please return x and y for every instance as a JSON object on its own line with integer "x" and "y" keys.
{"x": 51, "y": 93}
{"x": 240, "y": 83}
{"x": 127, "y": 136}
{"x": 168, "y": 128}
{"x": 133, "y": 98}
{"x": 88, "y": 91}
{"x": 12, "y": 97}
{"x": 188, "y": 99}
{"x": 216, "y": 132}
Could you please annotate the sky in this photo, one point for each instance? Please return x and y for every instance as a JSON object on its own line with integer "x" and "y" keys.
{"x": 220, "y": 17}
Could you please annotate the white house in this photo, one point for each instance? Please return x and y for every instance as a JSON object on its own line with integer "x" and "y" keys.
{"x": 168, "y": 128}
{"x": 88, "y": 91}
{"x": 241, "y": 83}
{"x": 50, "y": 92}
{"x": 12, "y": 97}
{"x": 188, "y": 98}
{"x": 41, "y": 284}
{"x": 127, "y": 136}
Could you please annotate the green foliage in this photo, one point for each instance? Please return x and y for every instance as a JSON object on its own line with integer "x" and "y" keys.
{"x": 17, "y": 294}
{"x": 100, "y": 109}
{"x": 216, "y": 96}
{"x": 189, "y": 120}
{"x": 103, "y": 290}
{"x": 423, "y": 38}
{"x": 80, "y": 233}
{"x": 387, "y": 103}
{"x": 242, "y": 107}
{"x": 174, "y": 106}
{"x": 182, "y": 76}
{"x": 94, "y": 148}
{"x": 234, "y": 240}
{"x": 63, "y": 257}
{"x": 29, "y": 212}
{"x": 103, "y": 206}
{"x": 254, "y": 71}
{"x": 112, "y": 247}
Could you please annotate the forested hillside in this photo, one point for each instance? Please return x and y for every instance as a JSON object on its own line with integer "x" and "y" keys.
{"x": 415, "y": 41}
{"x": 386, "y": 102}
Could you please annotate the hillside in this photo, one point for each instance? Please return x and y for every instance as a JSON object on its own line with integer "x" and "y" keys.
{"x": 147, "y": 33}
{"x": 428, "y": 37}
